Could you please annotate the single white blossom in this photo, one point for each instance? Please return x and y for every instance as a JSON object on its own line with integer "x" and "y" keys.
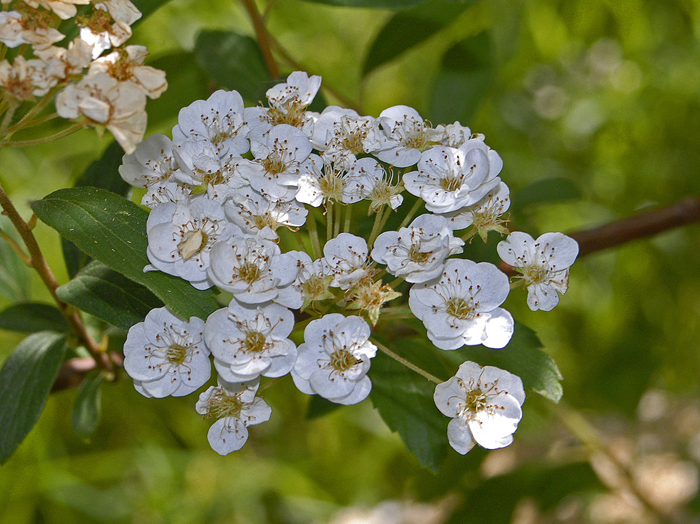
{"x": 126, "y": 65}
{"x": 166, "y": 355}
{"x": 152, "y": 162}
{"x": 339, "y": 131}
{"x": 249, "y": 341}
{"x": 485, "y": 406}
{"x": 485, "y": 215}
{"x": 258, "y": 216}
{"x": 543, "y": 265}
{"x": 405, "y": 136}
{"x": 236, "y": 407}
{"x": 417, "y": 253}
{"x": 345, "y": 258}
{"x": 334, "y": 359}
{"x": 462, "y": 307}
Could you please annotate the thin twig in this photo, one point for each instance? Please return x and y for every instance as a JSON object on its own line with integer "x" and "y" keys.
{"x": 263, "y": 36}
{"x": 68, "y": 131}
{"x": 409, "y": 365}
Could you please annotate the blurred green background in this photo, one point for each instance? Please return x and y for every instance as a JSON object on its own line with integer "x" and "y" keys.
{"x": 594, "y": 106}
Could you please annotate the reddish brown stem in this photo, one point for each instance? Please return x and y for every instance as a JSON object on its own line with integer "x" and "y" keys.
{"x": 263, "y": 36}
{"x": 73, "y": 371}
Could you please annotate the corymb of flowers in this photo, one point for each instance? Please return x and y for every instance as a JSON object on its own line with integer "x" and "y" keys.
{"x": 237, "y": 186}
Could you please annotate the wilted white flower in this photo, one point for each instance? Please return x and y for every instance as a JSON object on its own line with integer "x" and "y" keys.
{"x": 29, "y": 27}
{"x": 126, "y": 65}
{"x": 236, "y": 407}
{"x": 65, "y": 9}
{"x": 109, "y": 25}
{"x": 484, "y": 404}
{"x": 462, "y": 307}
{"x": 543, "y": 265}
{"x": 417, "y": 253}
{"x": 334, "y": 359}
{"x": 166, "y": 355}
{"x": 249, "y": 341}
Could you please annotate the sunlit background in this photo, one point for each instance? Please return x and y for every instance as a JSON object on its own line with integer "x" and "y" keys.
{"x": 594, "y": 106}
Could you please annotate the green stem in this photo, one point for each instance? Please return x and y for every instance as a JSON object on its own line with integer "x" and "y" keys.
{"x": 336, "y": 219}
{"x": 329, "y": 220}
{"x": 348, "y": 218}
{"x": 397, "y": 312}
{"x": 410, "y": 214}
{"x": 376, "y": 227}
{"x": 25, "y": 120}
{"x": 12, "y": 106}
{"x": 313, "y": 235}
{"x": 47, "y": 139}
{"x": 263, "y": 36}
{"x": 405, "y": 362}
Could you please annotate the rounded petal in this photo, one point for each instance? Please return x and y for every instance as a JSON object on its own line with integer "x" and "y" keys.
{"x": 460, "y": 436}
{"x": 227, "y": 435}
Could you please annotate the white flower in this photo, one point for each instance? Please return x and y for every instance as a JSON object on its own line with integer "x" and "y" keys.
{"x": 236, "y": 407}
{"x": 324, "y": 179}
{"x": 456, "y": 135}
{"x": 276, "y": 169}
{"x": 255, "y": 271}
{"x": 334, "y": 359}
{"x": 485, "y": 215}
{"x": 484, "y": 404}
{"x": 406, "y": 136}
{"x": 126, "y": 65}
{"x": 218, "y": 120}
{"x": 65, "y": 9}
{"x": 109, "y": 25}
{"x": 417, "y": 253}
{"x": 22, "y": 79}
{"x": 119, "y": 106}
{"x": 258, "y": 216}
{"x": 32, "y": 27}
{"x": 202, "y": 168}
{"x": 339, "y": 131}
{"x": 166, "y": 192}
{"x": 151, "y": 163}
{"x": 249, "y": 341}
{"x": 345, "y": 257}
{"x": 543, "y": 263}
{"x": 62, "y": 63}
{"x": 181, "y": 237}
{"x": 462, "y": 307}
{"x": 449, "y": 179}
{"x": 165, "y": 355}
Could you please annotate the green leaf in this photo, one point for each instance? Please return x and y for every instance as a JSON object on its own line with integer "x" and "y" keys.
{"x": 234, "y": 62}
{"x": 109, "y": 296}
{"x": 465, "y": 76}
{"x": 187, "y": 82}
{"x": 521, "y": 356}
{"x": 404, "y": 400}
{"x": 14, "y": 275}
{"x": 31, "y": 317}
{"x": 102, "y": 173}
{"x": 147, "y": 7}
{"x": 112, "y": 229}
{"x": 87, "y": 408}
{"x": 420, "y": 23}
{"x": 383, "y": 4}
{"x": 555, "y": 189}
{"x": 25, "y": 383}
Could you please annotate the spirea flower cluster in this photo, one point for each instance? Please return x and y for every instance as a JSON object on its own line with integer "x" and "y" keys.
{"x": 232, "y": 178}
{"x": 105, "y": 90}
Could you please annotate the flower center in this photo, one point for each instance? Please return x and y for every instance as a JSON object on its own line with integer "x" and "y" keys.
{"x": 342, "y": 360}
{"x": 221, "y": 404}
{"x": 460, "y": 308}
{"x": 274, "y": 163}
{"x": 417, "y": 256}
{"x": 534, "y": 274}
{"x": 176, "y": 354}
{"x": 294, "y": 116}
{"x": 331, "y": 185}
{"x": 192, "y": 243}
{"x": 254, "y": 342}
{"x": 475, "y": 401}
{"x": 451, "y": 183}
{"x": 249, "y": 272}
{"x": 265, "y": 220}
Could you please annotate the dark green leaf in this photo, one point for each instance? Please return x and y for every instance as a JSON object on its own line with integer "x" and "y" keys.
{"x": 383, "y": 4}
{"x": 14, "y": 275}
{"x": 187, "y": 82}
{"x": 109, "y": 296}
{"x": 234, "y": 62}
{"x": 548, "y": 190}
{"x": 148, "y": 7}
{"x": 404, "y": 400}
{"x": 87, "y": 408}
{"x": 465, "y": 77}
{"x": 102, "y": 173}
{"x": 420, "y": 23}
{"x": 30, "y": 317}
{"x": 25, "y": 383}
{"x": 521, "y": 356}
{"x": 113, "y": 230}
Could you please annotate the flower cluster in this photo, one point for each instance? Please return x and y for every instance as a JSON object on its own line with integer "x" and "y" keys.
{"x": 108, "y": 91}
{"x": 232, "y": 179}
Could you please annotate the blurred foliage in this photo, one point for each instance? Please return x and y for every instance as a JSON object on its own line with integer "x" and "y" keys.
{"x": 598, "y": 98}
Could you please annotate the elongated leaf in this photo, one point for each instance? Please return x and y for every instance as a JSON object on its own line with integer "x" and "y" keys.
{"x": 521, "y": 356}
{"x": 31, "y": 317}
{"x": 420, "y": 23}
{"x": 465, "y": 77}
{"x": 102, "y": 173}
{"x": 113, "y": 230}
{"x": 383, "y": 4}
{"x": 234, "y": 62}
{"x": 187, "y": 82}
{"x": 109, "y": 296}
{"x": 25, "y": 382}
{"x": 14, "y": 275}
{"x": 548, "y": 190}
{"x": 87, "y": 408}
{"x": 404, "y": 400}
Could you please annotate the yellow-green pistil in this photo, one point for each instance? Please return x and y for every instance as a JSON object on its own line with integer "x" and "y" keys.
{"x": 460, "y": 308}
{"x": 254, "y": 342}
{"x": 176, "y": 354}
{"x": 221, "y": 405}
{"x": 343, "y": 360}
